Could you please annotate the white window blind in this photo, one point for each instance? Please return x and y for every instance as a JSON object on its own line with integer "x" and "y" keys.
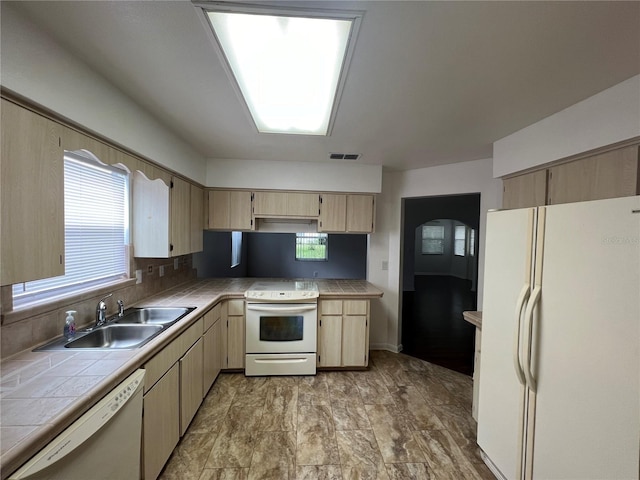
{"x": 432, "y": 240}
{"x": 96, "y": 230}
{"x": 460, "y": 240}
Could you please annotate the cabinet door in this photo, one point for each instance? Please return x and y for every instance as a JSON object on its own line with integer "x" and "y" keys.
{"x": 160, "y": 423}
{"x": 608, "y": 175}
{"x": 270, "y": 203}
{"x": 219, "y": 207}
{"x": 330, "y": 341}
{"x": 235, "y": 342}
{"x": 32, "y": 198}
{"x": 360, "y": 213}
{"x": 191, "y": 376}
{"x": 197, "y": 219}
{"x": 529, "y": 190}
{"x": 355, "y": 341}
{"x": 303, "y": 204}
{"x": 333, "y": 213}
{"x": 211, "y": 350}
{"x": 180, "y": 217}
{"x": 240, "y": 216}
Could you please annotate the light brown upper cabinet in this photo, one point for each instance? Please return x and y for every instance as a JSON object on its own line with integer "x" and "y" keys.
{"x": 528, "y": 190}
{"x": 197, "y": 218}
{"x": 230, "y": 210}
{"x": 346, "y": 213}
{"x": 32, "y": 173}
{"x": 286, "y": 204}
{"x": 162, "y": 217}
{"x": 180, "y": 241}
{"x": 607, "y": 175}
{"x": 360, "y": 213}
{"x": 333, "y": 213}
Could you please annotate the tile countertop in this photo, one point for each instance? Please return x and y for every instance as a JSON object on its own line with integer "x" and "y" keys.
{"x": 42, "y": 393}
{"x": 474, "y": 318}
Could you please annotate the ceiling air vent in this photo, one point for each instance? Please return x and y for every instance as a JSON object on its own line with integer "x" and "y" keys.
{"x": 344, "y": 156}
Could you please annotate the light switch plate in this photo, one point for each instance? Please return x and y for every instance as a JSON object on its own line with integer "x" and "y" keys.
{"x": 162, "y": 270}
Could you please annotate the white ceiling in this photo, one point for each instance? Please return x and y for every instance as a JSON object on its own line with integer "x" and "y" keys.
{"x": 430, "y": 82}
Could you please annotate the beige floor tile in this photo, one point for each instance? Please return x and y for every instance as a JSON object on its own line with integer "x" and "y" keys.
{"x": 316, "y": 442}
{"x": 281, "y": 409}
{"x": 318, "y": 472}
{"x": 234, "y": 445}
{"x": 274, "y": 456}
{"x": 225, "y": 474}
{"x": 408, "y": 471}
{"x": 313, "y": 391}
{"x": 394, "y": 435}
{"x": 444, "y": 457}
{"x": 411, "y": 403}
{"x": 189, "y": 457}
{"x": 348, "y": 415}
{"x": 359, "y": 448}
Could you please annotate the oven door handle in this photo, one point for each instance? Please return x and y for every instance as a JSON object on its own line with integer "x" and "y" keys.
{"x": 279, "y": 308}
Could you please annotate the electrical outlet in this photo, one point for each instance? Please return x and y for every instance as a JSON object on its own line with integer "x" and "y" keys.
{"x": 176, "y": 263}
{"x": 138, "y": 276}
{"x": 162, "y": 270}
{"x": 150, "y": 269}
{"x": 315, "y": 274}
{"x": 385, "y": 265}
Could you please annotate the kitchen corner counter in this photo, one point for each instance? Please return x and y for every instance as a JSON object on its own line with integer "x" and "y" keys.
{"x": 475, "y": 318}
{"x": 42, "y": 393}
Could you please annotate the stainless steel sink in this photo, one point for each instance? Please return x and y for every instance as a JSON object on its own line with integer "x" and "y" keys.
{"x": 135, "y": 328}
{"x": 116, "y": 336}
{"x": 152, "y": 315}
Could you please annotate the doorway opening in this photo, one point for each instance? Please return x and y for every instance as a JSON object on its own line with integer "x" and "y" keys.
{"x": 440, "y": 275}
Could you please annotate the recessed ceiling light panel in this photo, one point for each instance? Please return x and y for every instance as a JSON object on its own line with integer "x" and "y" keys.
{"x": 289, "y": 66}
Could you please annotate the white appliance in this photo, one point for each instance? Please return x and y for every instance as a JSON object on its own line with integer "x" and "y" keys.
{"x": 281, "y": 328}
{"x": 559, "y": 384}
{"x": 103, "y": 444}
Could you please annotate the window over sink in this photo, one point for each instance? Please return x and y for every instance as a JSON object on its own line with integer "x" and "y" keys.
{"x": 96, "y": 230}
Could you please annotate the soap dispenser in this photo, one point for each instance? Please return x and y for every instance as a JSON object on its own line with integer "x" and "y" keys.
{"x": 70, "y": 325}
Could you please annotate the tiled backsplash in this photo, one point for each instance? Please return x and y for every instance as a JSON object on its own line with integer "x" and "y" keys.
{"x": 25, "y": 330}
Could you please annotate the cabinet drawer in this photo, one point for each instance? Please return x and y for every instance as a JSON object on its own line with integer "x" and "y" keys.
{"x": 212, "y": 316}
{"x": 356, "y": 307}
{"x": 235, "y": 307}
{"x": 158, "y": 365}
{"x": 331, "y": 307}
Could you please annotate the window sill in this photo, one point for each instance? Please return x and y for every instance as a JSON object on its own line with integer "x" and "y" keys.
{"x": 50, "y": 305}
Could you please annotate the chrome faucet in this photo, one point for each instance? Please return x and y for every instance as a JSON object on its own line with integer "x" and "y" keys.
{"x": 120, "y": 308}
{"x": 101, "y": 311}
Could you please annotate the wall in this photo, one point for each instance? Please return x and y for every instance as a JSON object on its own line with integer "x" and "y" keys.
{"x": 385, "y": 245}
{"x": 319, "y": 177}
{"x": 273, "y": 255}
{"x": 36, "y": 67}
{"x": 215, "y": 258}
{"x": 608, "y": 117}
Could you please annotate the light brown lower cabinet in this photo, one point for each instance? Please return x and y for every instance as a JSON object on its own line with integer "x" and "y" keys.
{"x": 212, "y": 346}
{"x": 233, "y": 336}
{"x": 191, "y": 378}
{"x": 343, "y": 333}
{"x": 173, "y": 392}
{"x": 161, "y": 422}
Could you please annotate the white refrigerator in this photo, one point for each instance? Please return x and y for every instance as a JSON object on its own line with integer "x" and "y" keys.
{"x": 559, "y": 394}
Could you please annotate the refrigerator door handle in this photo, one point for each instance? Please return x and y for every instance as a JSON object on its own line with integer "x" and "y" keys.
{"x": 528, "y": 315}
{"x": 522, "y": 298}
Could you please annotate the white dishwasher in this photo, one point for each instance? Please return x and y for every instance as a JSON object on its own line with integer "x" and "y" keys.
{"x": 104, "y": 443}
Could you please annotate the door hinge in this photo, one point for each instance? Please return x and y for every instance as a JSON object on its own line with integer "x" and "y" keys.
{"x": 59, "y": 141}
{"x": 320, "y": 323}
{"x": 171, "y": 247}
{"x": 320, "y": 198}
{"x": 318, "y": 358}
{"x": 171, "y": 184}
{"x": 252, "y": 197}
{"x": 60, "y": 259}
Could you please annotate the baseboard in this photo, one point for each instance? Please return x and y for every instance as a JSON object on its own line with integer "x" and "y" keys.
{"x": 386, "y": 346}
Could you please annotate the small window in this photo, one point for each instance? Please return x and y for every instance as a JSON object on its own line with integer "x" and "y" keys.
{"x": 312, "y": 246}
{"x": 472, "y": 243}
{"x": 432, "y": 240}
{"x": 460, "y": 240}
{"x": 236, "y": 248}
{"x": 96, "y": 230}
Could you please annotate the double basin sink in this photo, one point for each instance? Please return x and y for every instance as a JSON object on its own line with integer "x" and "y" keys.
{"x": 133, "y": 329}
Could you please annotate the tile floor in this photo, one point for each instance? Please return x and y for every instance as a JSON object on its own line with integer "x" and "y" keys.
{"x": 403, "y": 418}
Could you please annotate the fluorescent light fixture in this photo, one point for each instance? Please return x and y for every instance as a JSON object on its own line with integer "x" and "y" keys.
{"x": 288, "y": 65}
